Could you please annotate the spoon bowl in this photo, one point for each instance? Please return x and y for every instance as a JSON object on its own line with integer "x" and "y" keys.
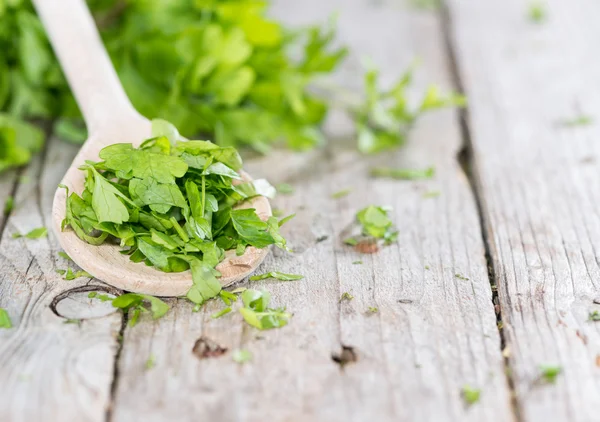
{"x": 111, "y": 119}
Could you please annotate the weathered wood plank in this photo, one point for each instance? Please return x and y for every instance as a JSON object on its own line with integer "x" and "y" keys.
{"x": 414, "y": 355}
{"x": 49, "y": 370}
{"x": 539, "y": 187}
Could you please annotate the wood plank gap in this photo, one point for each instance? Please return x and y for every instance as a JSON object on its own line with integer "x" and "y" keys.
{"x": 115, "y": 374}
{"x": 465, "y": 158}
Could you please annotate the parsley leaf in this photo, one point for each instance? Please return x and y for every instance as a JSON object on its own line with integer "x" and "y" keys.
{"x": 403, "y": 174}
{"x": 38, "y": 233}
{"x": 257, "y": 313}
{"x": 341, "y": 193}
{"x": 134, "y": 302}
{"x": 549, "y": 373}
{"x": 9, "y": 205}
{"x": 470, "y": 395}
{"x": 5, "y": 321}
{"x": 278, "y": 276}
{"x": 376, "y": 224}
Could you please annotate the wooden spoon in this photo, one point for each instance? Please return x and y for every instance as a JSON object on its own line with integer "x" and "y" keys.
{"x": 111, "y": 119}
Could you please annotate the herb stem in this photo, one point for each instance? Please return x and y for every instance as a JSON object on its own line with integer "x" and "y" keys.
{"x": 179, "y": 230}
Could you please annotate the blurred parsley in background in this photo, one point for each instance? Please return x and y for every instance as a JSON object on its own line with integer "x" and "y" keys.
{"x": 215, "y": 68}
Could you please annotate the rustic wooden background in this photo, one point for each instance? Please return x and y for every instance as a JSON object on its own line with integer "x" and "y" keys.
{"x": 518, "y": 209}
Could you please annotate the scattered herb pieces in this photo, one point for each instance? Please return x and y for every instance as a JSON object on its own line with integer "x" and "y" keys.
{"x": 341, "y": 193}
{"x": 372, "y": 310}
{"x": 357, "y": 262}
{"x": 549, "y": 373}
{"x": 9, "y": 205}
{"x": 151, "y": 362}
{"x": 33, "y": 234}
{"x": 134, "y": 302}
{"x": 70, "y": 275}
{"x": 582, "y": 120}
{"x": 278, "y": 276}
{"x": 101, "y": 297}
{"x": 171, "y": 204}
{"x": 427, "y": 267}
{"x": 285, "y": 188}
{"x": 470, "y": 395}
{"x": 241, "y": 356}
{"x": 346, "y": 296}
{"x": 375, "y": 224}
{"x": 537, "y": 12}
{"x": 221, "y": 313}
{"x": 64, "y": 255}
{"x": 72, "y": 321}
{"x": 461, "y": 277}
{"x": 384, "y": 119}
{"x": 5, "y": 321}
{"x": 278, "y": 212}
{"x": 403, "y": 174}
{"x": 594, "y": 316}
{"x": 257, "y": 313}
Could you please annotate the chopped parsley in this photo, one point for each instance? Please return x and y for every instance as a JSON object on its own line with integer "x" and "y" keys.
{"x": 346, "y": 297}
{"x": 549, "y": 373}
{"x": 470, "y": 395}
{"x": 257, "y": 313}
{"x": 38, "y": 233}
{"x": 278, "y": 276}
{"x": 403, "y": 174}
{"x": 341, "y": 193}
{"x": 5, "y": 321}
{"x": 241, "y": 356}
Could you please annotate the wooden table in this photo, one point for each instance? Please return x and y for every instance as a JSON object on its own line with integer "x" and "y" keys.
{"x": 518, "y": 209}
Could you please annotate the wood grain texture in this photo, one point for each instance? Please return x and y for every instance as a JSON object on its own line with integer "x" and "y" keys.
{"x": 49, "y": 370}
{"x": 539, "y": 187}
{"x": 434, "y": 332}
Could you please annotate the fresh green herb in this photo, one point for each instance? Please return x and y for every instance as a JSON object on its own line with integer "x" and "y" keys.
{"x": 151, "y": 362}
{"x": 357, "y": 262}
{"x": 221, "y": 313}
{"x": 70, "y": 275}
{"x": 376, "y": 224}
{"x": 385, "y": 118}
{"x": 9, "y": 205}
{"x": 403, "y": 174}
{"x": 470, "y": 395}
{"x": 5, "y": 321}
{"x": 18, "y": 139}
{"x": 278, "y": 276}
{"x": 594, "y": 316}
{"x": 239, "y": 290}
{"x": 346, "y": 296}
{"x": 241, "y": 356}
{"x": 197, "y": 307}
{"x": 537, "y": 12}
{"x": 278, "y": 212}
{"x": 33, "y": 234}
{"x": 582, "y": 120}
{"x": 171, "y": 204}
{"x": 72, "y": 321}
{"x": 257, "y": 313}
{"x": 461, "y": 277}
{"x": 341, "y": 193}
{"x": 431, "y": 194}
{"x": 100, "y": 297}
{"x": 372, "y": 310}
{"x": 427, "y": 267}
{"x": 549, "y": 373}
{"x": 135, "y": 303}
{"x": 64, "y": 255}
{"x": 285, "y": 188}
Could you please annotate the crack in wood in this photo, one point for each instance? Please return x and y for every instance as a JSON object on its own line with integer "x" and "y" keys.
{"x": 467, "y": 163}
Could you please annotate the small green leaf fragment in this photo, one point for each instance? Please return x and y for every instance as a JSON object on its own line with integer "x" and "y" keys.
{"x": 537, "y": 12}
{"x": 461, "y": 277}
{"x": 64, "y": 255}
{"x": 594, "y": 316}
{"x": 278, "y": 276}
{"x": 403, "y": 174}
{"x": 470, "y": 395}
{"x": 5, "y": 321}
{"x": 241, "y": 356}
{"x": 346, "y": 297}
{"x": 38, "y": 233}
{"x": 221, "y": 313}
{"x": 357, "y": 262}
{"x": 372, "y": 310}
{"x": 549, "y": 373}
{"x": 150, "y": 362}
{"x": 341, "y": 193}
{"x": 285, "y": 189}
{"x": 582, "y": 120}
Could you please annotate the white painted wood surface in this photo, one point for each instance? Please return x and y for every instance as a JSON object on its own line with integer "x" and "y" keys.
{"x": 540, "y": 188}
{"x": 433, "y": 334}
{"x": 49, "y": 370}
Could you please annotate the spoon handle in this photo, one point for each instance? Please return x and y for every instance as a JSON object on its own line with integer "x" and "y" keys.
{"x": 86, "y": 64}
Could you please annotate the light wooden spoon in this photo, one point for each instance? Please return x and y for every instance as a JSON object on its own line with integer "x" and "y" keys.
{"x": 110, "y": 119}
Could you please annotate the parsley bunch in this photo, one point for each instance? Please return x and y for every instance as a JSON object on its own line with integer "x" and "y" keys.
{"x": 215, "y": 67}
{"x": 171, "y": 204}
